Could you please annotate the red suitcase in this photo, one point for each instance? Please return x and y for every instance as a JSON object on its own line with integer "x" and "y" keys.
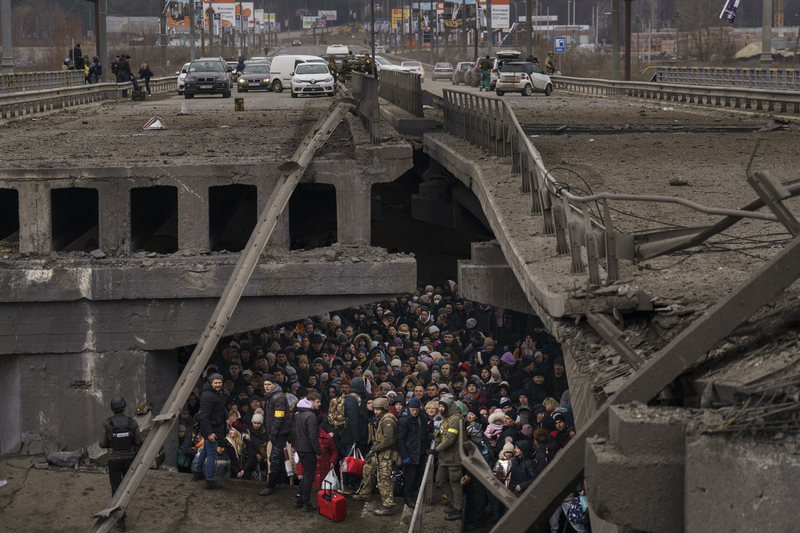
{"x": 332, "y": 505}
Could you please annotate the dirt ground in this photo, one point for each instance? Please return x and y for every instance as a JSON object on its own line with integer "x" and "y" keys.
{"x": 56, "y": 499}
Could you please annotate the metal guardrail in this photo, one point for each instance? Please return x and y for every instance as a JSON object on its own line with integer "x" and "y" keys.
{"x": 403, "y": 89}
{"x": 726, "y": 97}
{"x": 489, "y": 123}
{"x": 365, "y": 92}
{"x": 748, "y": 78}
{"x": 38, "y": 81}
{"x": 27, "y": 103}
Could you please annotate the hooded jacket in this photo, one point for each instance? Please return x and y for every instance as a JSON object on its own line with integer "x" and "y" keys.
{"x": 453, "y": 424}
{"x": 305, "y": 429}
{"x": 523, "y": 468}
{"x": 277, "y": 417}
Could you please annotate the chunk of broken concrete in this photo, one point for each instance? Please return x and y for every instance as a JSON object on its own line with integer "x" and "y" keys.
{"x": 36, "y": 448}
{"x": 65, "y": 459}
{"x": 97, "y": 454}
{"x": 97, "y": 254}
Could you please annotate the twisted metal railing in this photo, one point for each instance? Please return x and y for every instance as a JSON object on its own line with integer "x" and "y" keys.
{"x": 489, "y": 123}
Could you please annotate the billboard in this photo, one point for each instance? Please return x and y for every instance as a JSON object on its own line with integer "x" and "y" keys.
{"x": 228, "y": 9}
{"x": 179, "y": 14}
{"x": 328, "y": 14}
{"x": 399, "y": 14}
{"x": 308, "y": 22}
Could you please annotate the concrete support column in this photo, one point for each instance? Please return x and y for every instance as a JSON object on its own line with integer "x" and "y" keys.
{"x": 35, "y": 231}
{"x": 193, "y": 222}
{"x": 8, "y": 59}
{"x": 115, "y": 217}
{"x": 353, "y": 199}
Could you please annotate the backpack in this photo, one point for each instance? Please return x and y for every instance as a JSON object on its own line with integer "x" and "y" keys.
{"x": 98, "y": 69}
{"x": 150, "y": 71}
{"x": 484, "y": 447}
{"x": 576, "y": 513}
{"x": 336, "y": 414}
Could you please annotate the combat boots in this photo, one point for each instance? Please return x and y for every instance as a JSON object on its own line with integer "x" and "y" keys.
{"x": 359, "y": 498}
{"x": 383, "y": 511}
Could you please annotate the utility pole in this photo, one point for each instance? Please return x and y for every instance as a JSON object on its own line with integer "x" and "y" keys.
{"x": 528, "y": 27}
{"x": 628, "y": 40}
{"x": 464, "y": 27}
{"x": 489, "y": 25}
{"x": 8, "y": 58}
{"x": 615, "y": 39}
{"x": 192, "y": 25}
{"x": 211, "y": 23}
{"x": 766, "y": 35}
{"x": 164, "y": 44}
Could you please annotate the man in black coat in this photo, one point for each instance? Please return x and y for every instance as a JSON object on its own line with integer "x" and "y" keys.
{"x": 557, "y": 382}
{"x": 212, "y": 416}
{"x": 413, "y": 438}
{"x": 355, "y": 431}
{"x": 305, "y": 439}
{"x": 522, "y": 376}
{"x": 279, "y": 426}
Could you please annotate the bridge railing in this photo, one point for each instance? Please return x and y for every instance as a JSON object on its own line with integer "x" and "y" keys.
{"x": 748, "y": 78}
{"x": 38, "y": 81}
{"x": 403, "y": 89}
{"x": 26, "y": 103}
{"x": 490, "y": 124}
{"x": 365, "y": 90}
{"x": 771, "y": 100}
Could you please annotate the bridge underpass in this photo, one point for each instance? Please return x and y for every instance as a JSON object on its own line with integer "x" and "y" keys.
{"x": 584, "y": 348}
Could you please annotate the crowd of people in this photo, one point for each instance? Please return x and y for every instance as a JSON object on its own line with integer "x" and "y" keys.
{"x": 121, "y": 69}
{"x": 390, "y": 383}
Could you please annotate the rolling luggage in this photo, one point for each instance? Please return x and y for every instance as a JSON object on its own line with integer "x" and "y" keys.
{"x": 332, "y": 505}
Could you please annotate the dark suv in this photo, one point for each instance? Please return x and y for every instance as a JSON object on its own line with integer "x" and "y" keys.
{"x": 208, "y": 75}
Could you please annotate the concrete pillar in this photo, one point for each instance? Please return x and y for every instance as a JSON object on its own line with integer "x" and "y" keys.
{"x": 115, "y": 217}
{"x": 353, "y": 199}
{"x": 193, "y": 222}
{"x": 35, "y": 232}
{"x": 766, "y": 34}
{"x": 8, "y": 59}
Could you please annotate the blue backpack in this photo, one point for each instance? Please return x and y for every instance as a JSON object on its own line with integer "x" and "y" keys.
{"x": 577, "y": 513}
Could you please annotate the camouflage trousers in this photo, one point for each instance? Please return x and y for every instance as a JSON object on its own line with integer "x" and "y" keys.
{"x": 383, "y": 469}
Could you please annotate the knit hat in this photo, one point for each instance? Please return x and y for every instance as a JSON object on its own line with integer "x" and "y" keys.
{"x": 509, "y": 445}
{"x": 559, "y": 416}
{"x": 345, "y": 381}
{"x": 301, "y": 392}
{"x": 488, "y": 341}
{"x": 414, "y": 403}
{"x": 396, "y": 362}
{"x": 495, "y": 373}
{"x": 433, "y": 329}
{"x": 526, "y": 361}
{"x": 212, "y": 377}
{"x": 270, "y": 378}
{"x": 497, "y": 418}
{"x": 257, "y": 419}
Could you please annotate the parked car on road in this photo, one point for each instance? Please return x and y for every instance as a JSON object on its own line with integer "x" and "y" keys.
{"x": 254, "y": 76}
{"x": 503, "y": 57}
{"x": 312, "y": 78}
{"x": 296, "y": 42}
{"x": 381, "y": 49}
{"x": 442, "y": 71}
{"x": 182, "y": 76}
{"x": 460, "y": 72}
{"x": 473, "y": 76}
{"x": 523, "y": 77}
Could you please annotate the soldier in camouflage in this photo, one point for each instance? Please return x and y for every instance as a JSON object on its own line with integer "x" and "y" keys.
{"x": 332, "y": 66}
{"x": 345, "y": 69}
{"x": 449, "y": 451}
{"x": 380, "y": 458}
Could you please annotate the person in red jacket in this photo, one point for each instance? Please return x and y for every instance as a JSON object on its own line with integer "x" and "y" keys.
{"x": 326, "y": 462}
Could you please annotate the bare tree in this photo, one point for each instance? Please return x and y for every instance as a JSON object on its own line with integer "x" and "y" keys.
{"x": 699, "y": 19}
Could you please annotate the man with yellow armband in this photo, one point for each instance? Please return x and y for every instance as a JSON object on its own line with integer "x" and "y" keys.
{"x": 278, "y": 422}
{"x": 449, "y": 451}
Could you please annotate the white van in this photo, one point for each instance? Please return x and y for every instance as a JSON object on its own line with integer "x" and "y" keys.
{"x": 282, "y": 69}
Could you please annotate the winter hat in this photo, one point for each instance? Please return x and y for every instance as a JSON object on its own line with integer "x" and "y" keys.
{"x": 270, "y": 378}
{"x": 527, "y": 430}
{"x": 469, "y": 398}
{"x": 526, "y": 361}
{"x": 472, "y": 322}
{"x": 181, "y": 427}
{"x": 462, "y": 407}
{"x": 212, "y": 377}
{"x": 559, "y": 416}
{"x": 495, "y": 373}
{"x": 512, "y": 414}
{"x": 509, "y": 445}
{"x": 396, "y": 363}
{"x": 428, "y": 361}
{"x": 357, "y": 385}
{"x": 346, "y": 382}
{"x": 414, "y": 403}
{"x": 301, "y": 392}
{"x": 423, "y": 349}
{"x": 258, "y": 419}
{"x": 421, "y": 367}
{"x": 508, "y": 358}
{"x": 488, "y": 341}
{"x": 441, "y": 311}
{"x": 539, "y": 408}
{"x": 302, "y": 359}
{"x": 538, "y": 372}
{"x": 496, "y": 417}
{"x": 559, "y": 361}
{"x": 433, "y": 329}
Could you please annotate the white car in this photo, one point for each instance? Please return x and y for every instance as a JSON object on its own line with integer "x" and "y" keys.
{"x": 312, "y": 78}
{"x": 523, "y": 77}
{"x": 414, "y": 67}
{"x": 384, "y": 64}
{"x": 182, "y": 77}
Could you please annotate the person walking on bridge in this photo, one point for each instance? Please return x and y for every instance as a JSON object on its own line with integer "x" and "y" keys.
{"x": 121, "y": 434}
{"x": 486, "y": 77}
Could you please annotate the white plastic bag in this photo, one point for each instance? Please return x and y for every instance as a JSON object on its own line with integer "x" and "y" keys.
{"x": 331, "y": 482}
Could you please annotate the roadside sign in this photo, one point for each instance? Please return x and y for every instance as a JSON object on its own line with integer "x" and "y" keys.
{"x": 155, "y": 123}
{"x": 561, "y": 45}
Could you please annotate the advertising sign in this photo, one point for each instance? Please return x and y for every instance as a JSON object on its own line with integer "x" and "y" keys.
{"x": 501, "y": 14}
{"x": 228, "y": 9}
{"x": 308, "y": 22}
{"x": 400, "y": 14}
{"x": 179, "y": 13}
{"x": 328, "y": 14}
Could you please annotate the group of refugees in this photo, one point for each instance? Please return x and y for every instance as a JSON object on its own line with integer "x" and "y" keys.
{"x": 391, "y": 383}
{"x": 120, "y": 69}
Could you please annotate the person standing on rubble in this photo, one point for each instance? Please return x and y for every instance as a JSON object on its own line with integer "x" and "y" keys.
{"x": 122, "y": 437}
